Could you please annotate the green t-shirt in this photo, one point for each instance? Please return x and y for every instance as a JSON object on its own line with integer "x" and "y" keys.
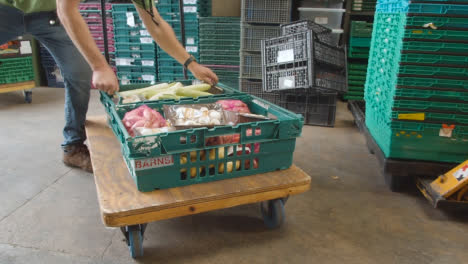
{"x": 146, "y": 4}
{"x": 31, "y": 6}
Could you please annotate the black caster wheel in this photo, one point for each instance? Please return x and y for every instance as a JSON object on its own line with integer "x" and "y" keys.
{"x": 273, "y": 213}
{"x": 134, "y": 237}
{"x": 27, "y": 96}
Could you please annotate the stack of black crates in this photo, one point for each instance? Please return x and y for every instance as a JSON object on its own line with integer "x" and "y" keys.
{"x": 307, "y": 70}
{"x": 260, "y": 19}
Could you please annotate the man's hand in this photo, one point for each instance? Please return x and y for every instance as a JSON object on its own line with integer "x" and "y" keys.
{"x": 203, "y": 73}
{"x": 105, "y": 80}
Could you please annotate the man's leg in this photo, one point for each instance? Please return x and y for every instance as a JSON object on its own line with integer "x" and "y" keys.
{"x": 11, "y": 23}
{"x": 77, "y": 77}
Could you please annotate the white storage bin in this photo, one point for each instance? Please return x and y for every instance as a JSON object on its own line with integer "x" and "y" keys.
{"x": 323, "y": 3}
{"x": 328, "y": 17}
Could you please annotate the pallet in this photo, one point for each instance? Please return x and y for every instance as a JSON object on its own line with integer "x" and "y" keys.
{"x": 399, "y": 174}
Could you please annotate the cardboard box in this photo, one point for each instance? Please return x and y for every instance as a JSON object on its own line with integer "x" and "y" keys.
{"x": 226, "y": 8}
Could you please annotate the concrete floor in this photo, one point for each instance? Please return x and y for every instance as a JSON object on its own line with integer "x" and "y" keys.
{"x": 49, "y": 213}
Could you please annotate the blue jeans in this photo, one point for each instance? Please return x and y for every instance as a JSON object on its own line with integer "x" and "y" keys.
{"x": 74, "y": 68}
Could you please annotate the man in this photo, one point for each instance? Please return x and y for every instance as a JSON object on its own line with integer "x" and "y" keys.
{"x": 38, "y": 18}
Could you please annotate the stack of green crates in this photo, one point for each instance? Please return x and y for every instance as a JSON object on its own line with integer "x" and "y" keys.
{"x": 204, "y": 7}
{"x": 363, "y": 5}
{"x": 356, "y": 81}
{"x": 360, "y": 39}
{"x": 168, "y": 68}
{"x": 135, "y": 50}
{"x": 16, "y": 69}
{"x": 219, "y": 47}
{"x": 359, "y": 47}
{"x": 417, "y": 82}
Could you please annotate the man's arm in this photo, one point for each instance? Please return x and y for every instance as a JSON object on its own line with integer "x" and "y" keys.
{"x": 103, "y": 76}
{"x": 164, "y": 35}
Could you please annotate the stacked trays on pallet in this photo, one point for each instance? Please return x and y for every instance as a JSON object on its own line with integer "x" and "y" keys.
{"x": 307, "y": 69}
{"x": 168, "y": 68}
{"x": 260, "y": 19}
{"x": 219, "y": 47}
{"x": 358, "y": 53}
{"x": 16, "y": 62}
{"x": 417, "y": 81}
{"x": 135, "y": 50}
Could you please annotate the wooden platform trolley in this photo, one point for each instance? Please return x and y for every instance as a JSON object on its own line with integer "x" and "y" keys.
{"x": 26, "y": 87}
{"x": 122, "y": 205}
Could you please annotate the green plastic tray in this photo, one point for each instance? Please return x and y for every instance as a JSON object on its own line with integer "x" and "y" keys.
{"x": 155, "y": 161}
{"x": 431, "y": 117}
{"x": 457, "y": 73}
{"x": 13, "y": 70}
{"x": 433, "y": 94}
{"x": 418, "y": 141}
{"x": 434, "y": 59}
{"x": 447, "y": 35}
{"x": 438, "y": 21}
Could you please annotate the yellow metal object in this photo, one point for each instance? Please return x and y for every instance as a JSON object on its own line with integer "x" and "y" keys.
{"x": 5, "y": 88}
{"x": 451, "y": 182}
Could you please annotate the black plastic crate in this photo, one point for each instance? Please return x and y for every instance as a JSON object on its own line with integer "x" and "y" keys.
{"x": 318, "y": 108}
{"x": 306, "y": 76}
{"x": 323, "y": 33}
{"x": 299, "y": 47}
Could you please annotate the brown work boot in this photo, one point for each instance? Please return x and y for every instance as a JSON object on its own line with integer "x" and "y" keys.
{"x": 77, "y": 155}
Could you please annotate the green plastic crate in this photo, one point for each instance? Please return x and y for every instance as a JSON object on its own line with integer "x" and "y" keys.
{"x": 358, "y": 52}
{"x": 438, "y": 21}
{"x": 142, "y": 69}
{"x": 434, "y": 59}
{"x": 447, "y": 35}
{"x": 155, "y": 161}
{"x": 356, "y": 66}
{"x": 361, "y": 29}
{"x": 135, "y": 46}
{"x": 14, "y": 70}
{"x": 110, "y": 102}
{"x": 138, "y": 54}
{"x": 420, "y": 141}
{"x": 433, "y": 82}
{"x": 126, "y": 78}
{"x": 433, "y": 94}
{"x": 356, "y": 88}
{"x": 431, "y": 117}
{"x": 357, "y": 78}
{"x": 121, "y": 61}
{"x": 357, "y": 82}
{"x": 435, "y": 46}
{"x": 359, "y": 42}
{"x": 457, "y": 73}
{"x": 461, "y": 107}
{"x": 357, "y": 73}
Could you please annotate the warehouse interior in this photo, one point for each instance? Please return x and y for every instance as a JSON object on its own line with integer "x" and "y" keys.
{"x": 382, "y": 155}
